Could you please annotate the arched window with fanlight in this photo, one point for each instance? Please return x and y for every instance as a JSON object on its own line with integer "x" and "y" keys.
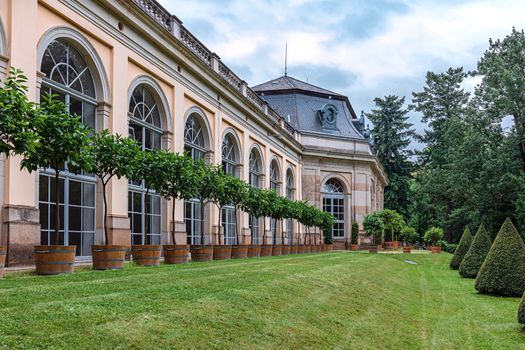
{"x": 275, "y": 177}
{"x": 194, "y": 146}
{"x": 334, "y": 203}
{"x": 290, "y": 194}
{"x": 256, "y": 180}
{"x": 68, "y": 76}
{"x": 144, "y": 206}
{"x": 229, "y": 164}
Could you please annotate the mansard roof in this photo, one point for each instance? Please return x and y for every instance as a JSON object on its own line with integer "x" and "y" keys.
{"x": 300, "y": 102}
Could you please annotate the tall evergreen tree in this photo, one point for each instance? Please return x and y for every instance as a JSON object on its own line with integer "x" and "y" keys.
{"x": 391, "y": 136}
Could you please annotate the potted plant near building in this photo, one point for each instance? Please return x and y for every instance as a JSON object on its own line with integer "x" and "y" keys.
{"x": 327, "y": 227}
{"x": 408, "y": 236}
{"x": 374, "y": 228}
{"x": 394, "y": 223}
{"x": 354, "y": 240}
{"x": 237, "y": 191}
{"x": 177, "y": 182}
{"x": 112, "y": 155}
{"x": 275, "y": 211}
{"x": 220, "y": 196}
{"x": 63, "y": 144}
{"x": 253, "y": 204}
{"x": 18, "y": 118}
{"x": 432, "y": 237}
{"x": 205, "y": 176}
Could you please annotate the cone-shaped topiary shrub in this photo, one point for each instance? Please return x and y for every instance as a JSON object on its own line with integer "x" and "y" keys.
{"x": 503, "y": 271}
{"x": 521, "y": 310}
{"x": 461, "y": 250}
{"x": 477, "y": 253}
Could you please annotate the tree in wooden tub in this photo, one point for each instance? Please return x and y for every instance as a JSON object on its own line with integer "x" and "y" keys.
{"x": 63, "y": 146}
{"x": 112, "y": 156}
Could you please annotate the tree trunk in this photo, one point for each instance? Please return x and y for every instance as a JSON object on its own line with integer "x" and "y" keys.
{"x": 146, "y": 212}
{"x": 264, "y": 230}
{"x": 57, "y": 207}
{"x": 220, "y": 226}
{"x": 173, "y": 222}
{"x": 291, "y": 231}
{"x": 236, "y": 227}
{"x": 282, "y": 232}
{"x": 104, "y": 196}
{"x": 202, "y": 222}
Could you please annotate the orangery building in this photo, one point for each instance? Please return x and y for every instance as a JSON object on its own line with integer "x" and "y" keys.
{"x": 131, "y": 67}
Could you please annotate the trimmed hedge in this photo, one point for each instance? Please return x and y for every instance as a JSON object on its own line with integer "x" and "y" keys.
{"x": 503, "y": 271}
{"x": 477, "y": 253}
{"x": 521, "y": 310}
{"x": 461, "y": 250}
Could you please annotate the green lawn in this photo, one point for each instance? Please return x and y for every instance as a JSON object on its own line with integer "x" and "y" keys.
{"x": 336, "y": 300}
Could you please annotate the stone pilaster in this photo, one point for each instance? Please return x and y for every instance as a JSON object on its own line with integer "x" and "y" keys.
{"x": 21, "y": 232}
{"x": 119, "y": 231}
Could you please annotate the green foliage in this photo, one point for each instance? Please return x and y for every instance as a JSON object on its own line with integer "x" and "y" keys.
{"x": 393, "y": 222}
{"x": 447, "y": 247}
{"x": 374, "y": 227}
{"x": 433, "y": 235}
{"x": 355, "y": 233}
{"x": 18, "y": 116}
{"x": 521, "y": 310}
{"x": 503, "y": 271}
{"x": 111, "y": 155}
{"x": 391, "y": 136}
{"x": 409, "y": 235}
{"x": 461, "y": 250}
{"x": 476, "y": 254}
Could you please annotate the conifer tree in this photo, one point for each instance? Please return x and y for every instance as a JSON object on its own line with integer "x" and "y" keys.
{"x": 461, "y": 250}
{"x": 391, "y": 136}
{"x": 477, "y": 253}
{"x": 503, "y": 271}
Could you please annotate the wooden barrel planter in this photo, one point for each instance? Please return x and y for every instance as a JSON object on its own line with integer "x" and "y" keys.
{"x": 54, "y": 259}
{"x": 435, "y": 249}
{"x": 307, "y": 248}
{"x": 329, "y": 247}
{"x": 222, "y": 252}
{"x": 201, "y": 252}
{"x": 373, "y": 249}
{"x": 108, "y": 257}
{"x": 407, "y": 250}
{"x": 146, "y": 255}
{"x": 388, "y": 245}
{"x": 318, "y": 248}
{"x": 266, "y": 250}
{"x": 3, "y": 254}
{"x": 354, "y": 247}
{"x": 294, "y": 249}
{"x": 301, "y": 249}
{"x": 253, "y": 251}
{"x": 277, "y": 250}
{"x": 285, "y": 250}
{"x": 239, "y": 251}
{"x": 176, "y": 254}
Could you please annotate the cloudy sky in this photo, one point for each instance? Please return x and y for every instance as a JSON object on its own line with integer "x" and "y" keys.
{"x": 362, "y": 49}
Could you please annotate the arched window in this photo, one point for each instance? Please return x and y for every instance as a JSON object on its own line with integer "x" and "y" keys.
{"x": 334, "y": 203}
{"x": 229, "y": 164}
{"x": 194, "y": 146}
{"x": 255, "y": 180}
{"x": 274, "y": 185}
{"x": 68, "y": 76}
{"x": 290, "y": 194}
{"x": 146, "y": 128}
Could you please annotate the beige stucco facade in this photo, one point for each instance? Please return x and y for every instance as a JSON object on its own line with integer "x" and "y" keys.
{"x": 124, "y": 46}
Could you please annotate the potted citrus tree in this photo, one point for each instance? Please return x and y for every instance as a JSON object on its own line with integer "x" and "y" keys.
{"x": 408, "y": 236}
{"x": 354, "y": 240}
{"x": 327, "y": 227}
{"x": 374, "y": 228}
{"x": 18, "y": 117}
{"x": 394, "y": 223}
{"x": 235, "y": 191}
{"x": 112, "y": 156}
{"x": 432, "y": 238}
{"x": 63, "y": 146}
{"x": 253, "y": 203}
{"x": 220, "y": 196}
{"x": 176, "y": 181}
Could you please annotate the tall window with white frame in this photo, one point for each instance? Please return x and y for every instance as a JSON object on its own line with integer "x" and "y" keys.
{"x": 195, "y": 148}
{"x": 255, "y": 180}
{"x": 145, "y": 126}
{"x": 68, "y": 77}
{"x": 334, "y": 203}
{"x": 274, "y": 185}
{"x": 290, "y": 194}
{"x": 229, "y": 165}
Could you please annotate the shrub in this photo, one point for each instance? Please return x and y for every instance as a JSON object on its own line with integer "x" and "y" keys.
{"x": 374, "y": 227}
{"x": 355, "y": 233}
{"x": 503, "y": 271}
{"x": 521, "y": 310}
{"x": 447, "y": 247}
{"x": 476, "y": 254}
{"x": 461, "y": 250}
{"x": 393, "y": 222}
{"x": 433, "y": 235}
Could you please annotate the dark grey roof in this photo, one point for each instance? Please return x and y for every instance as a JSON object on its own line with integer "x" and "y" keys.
{"x": 299, "y": 102}
{"x": 288, "y": 83}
